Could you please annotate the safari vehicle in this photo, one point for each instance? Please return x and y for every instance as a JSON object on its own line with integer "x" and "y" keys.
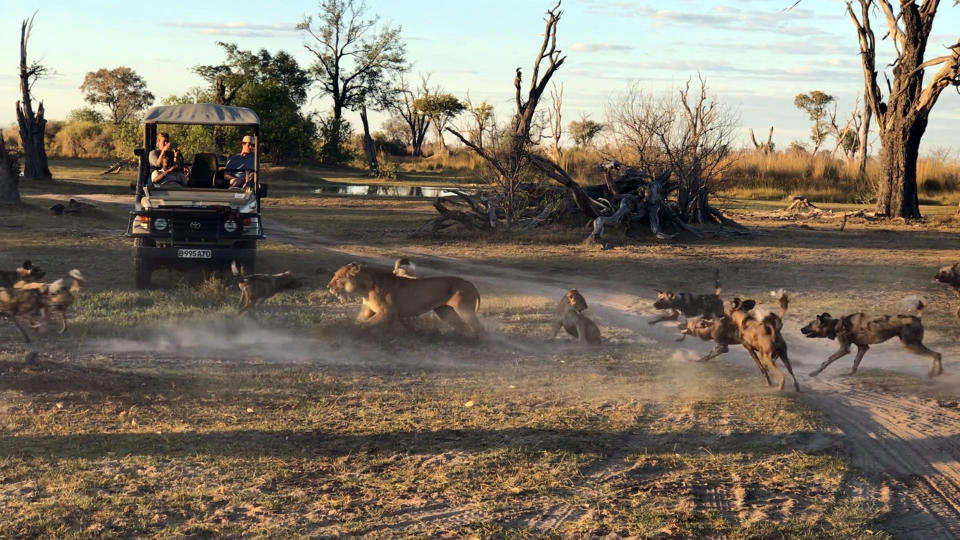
{"x": 205, "y": 224}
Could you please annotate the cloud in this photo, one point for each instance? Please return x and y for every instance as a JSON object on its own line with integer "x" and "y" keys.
{"x": 599, "y": 47}
{"x": 720, "y": 18}
{"x": 239, "y": 29}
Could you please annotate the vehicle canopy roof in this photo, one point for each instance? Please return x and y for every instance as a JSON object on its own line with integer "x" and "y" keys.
{"x": 206, "y": 114}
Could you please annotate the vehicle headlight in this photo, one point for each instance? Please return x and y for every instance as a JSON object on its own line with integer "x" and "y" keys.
{"x": 141, "y": 225}
{"x": 230, "y": 225}
{"x": 160, "y": 224}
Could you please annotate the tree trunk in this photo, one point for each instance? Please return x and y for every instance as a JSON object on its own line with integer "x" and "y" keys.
{"x": 369, "y": 149}
{"x": 32, "y": 126}
{"x": 9, "y": 183}
{"x": 897, "y": 196}
{"x": 864, "y": 135}
{"x": 441, "y": 144}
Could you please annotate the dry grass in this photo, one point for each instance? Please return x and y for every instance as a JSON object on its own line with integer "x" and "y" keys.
{"x": 161, "y": 413}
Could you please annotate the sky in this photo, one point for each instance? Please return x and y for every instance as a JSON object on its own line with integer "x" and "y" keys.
{"x": 755, "y": 55}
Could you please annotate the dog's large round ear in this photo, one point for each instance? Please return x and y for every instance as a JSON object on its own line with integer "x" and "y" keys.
{"x": 658, "y": 291}
{"x": 747, "y": 305}
{"x": 27, "y": 264}
{"x": 824, "y": 316}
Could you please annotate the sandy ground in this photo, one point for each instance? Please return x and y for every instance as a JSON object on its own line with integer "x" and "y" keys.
{"x": 909, "y": 443}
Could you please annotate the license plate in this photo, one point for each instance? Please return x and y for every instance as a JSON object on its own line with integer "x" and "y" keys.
{"x": 195, "y": 253}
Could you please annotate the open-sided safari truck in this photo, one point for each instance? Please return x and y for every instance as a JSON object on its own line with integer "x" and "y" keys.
{"x": 205, "y": 223}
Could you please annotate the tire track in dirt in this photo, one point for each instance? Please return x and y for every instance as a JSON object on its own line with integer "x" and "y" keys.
{"x": 915, "y": 446}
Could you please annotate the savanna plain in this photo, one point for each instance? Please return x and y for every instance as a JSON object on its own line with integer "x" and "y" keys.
{"x": 164, "y": 413}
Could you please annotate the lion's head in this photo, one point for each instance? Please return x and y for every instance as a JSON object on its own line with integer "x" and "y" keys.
{"x": 576, "y": 300}
{"x": 350, "y": 280}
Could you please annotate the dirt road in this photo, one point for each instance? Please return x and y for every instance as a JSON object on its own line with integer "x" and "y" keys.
{"x": 909, "y": 445}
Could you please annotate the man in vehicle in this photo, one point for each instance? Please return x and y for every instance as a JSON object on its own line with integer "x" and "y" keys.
{"x": 239, "y": 166}
{"x": 163, "y": 144}
{"x": 170, "y": 173}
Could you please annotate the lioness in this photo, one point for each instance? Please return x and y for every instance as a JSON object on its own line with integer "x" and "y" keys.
{"x": 388, "y": 298}
{"x": 570, "y": 316}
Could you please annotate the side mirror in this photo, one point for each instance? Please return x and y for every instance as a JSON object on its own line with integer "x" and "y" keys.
{"x": 262, "y": 191}
{"x": 140, "y": 152}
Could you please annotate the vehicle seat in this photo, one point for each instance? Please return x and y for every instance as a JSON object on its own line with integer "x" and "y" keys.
{"x": 203, "y": 170}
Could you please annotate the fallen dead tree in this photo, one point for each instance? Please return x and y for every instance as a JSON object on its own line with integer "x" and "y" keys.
{"x": 688, "y": 153}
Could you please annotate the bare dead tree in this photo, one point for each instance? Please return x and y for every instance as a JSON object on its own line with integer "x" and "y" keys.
{"x": 520, "y": 155}
{"x": 482, "y": 119}
{"x": 766, "y": 147}
{"x": 902, "y": 118}
{"x": 9, "y": 183}
{"x": 403, "y": 105}
{"x": 846, "y": 137}
{"x": 690, "y": 134}
{"x": 556, "y": 119}
{"x": 32, "y": 124}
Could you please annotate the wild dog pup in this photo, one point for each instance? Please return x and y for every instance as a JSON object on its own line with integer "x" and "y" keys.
{"x": 950, "y": 275}
{"x": 23, "y": 303}
{"x": 25, "y": 273}
{"x": 570, "y": 316}
{"x": 864, "y": 330}
{"x": 404, "y": 267}
{"x": 690, "y": 305}
{"x": 255, "y": 288}
{"x": 57, "y": 296}
{"x": 722, "y": 331}
{"x": 761, "y": 336}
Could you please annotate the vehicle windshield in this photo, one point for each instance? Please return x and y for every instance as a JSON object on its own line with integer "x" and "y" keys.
{"x": 204, "y": 157}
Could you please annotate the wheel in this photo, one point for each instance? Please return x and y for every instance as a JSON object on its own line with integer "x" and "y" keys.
{"x": 143, "y": 270}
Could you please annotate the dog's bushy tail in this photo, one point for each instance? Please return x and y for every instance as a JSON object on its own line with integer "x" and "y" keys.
{"x": 237, "y": 269}
{"x": 913, "y": 305}
{"x": 783, "y": 299}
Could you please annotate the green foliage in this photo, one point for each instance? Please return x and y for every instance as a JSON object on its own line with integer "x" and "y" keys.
{"x": 815, "y": 105}
{"x": 439, "y": 108}
{"x": 85, "y": 114}
{"x": 121, "y": 90}
{"x": 272, "y": 85}
{"x": 583, "y": 131}
{"x": 333, "y": 133}
{"x": 354, "y": 59}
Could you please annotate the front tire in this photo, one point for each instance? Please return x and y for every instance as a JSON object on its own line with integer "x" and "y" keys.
{"x": 143, "y": 270}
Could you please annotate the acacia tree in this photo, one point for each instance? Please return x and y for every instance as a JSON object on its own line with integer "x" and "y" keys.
{"x": 815, "y": 105}
{"x": 32, "y": 124}
{"x": 440, "y": 108}
{"x": 902, "y": 118}
{"x": 351, "y": 55}
{"x": 121, "y": 90}
{"x": 583, "y": 131}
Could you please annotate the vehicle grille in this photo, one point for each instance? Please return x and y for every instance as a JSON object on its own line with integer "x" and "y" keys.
{"x": 195, "y": 228}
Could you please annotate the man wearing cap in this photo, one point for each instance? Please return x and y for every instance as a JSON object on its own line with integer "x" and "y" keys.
{"x": 240, "y": 165}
